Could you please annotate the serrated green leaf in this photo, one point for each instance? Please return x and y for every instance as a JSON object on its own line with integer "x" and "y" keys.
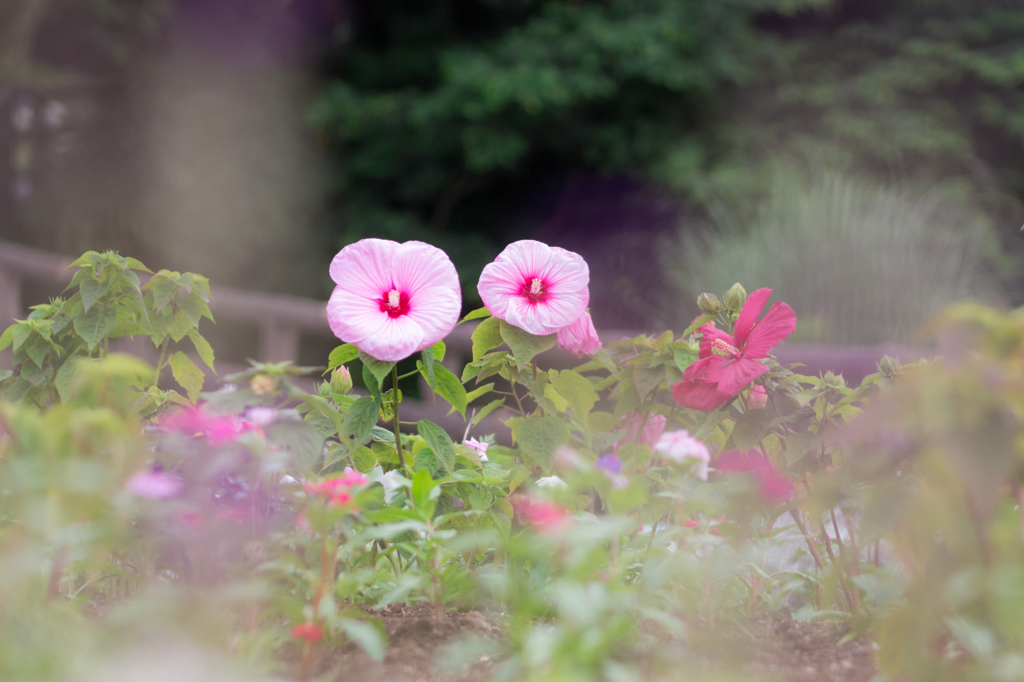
{"x": 36, "y": 348}
{"x": 92, "y": 290}
{"x": 359, "y": 421}
{"x": 7, "y": 338}
{"x": 487, "y": 409}
{"x": 181, "y": 326}
{"x": 440, "y": 443}
{"x": 163, "y": 291}
{"x": 87, "y": 258}
{"x": 539, "y": 437}
{"x": 192, "y": 306}
{"x": 187, "y": 374}
{"x": 477, "y": 392}
{"x": 346, "y": 352}
{"x": 486, "y": 337}
{"x": 136, "y": 264}
{"x": 378, "y": 368}
{"x": 750, "y": 428}
{"x": 697, "y": 324}
{"x": 477, "y": 314}
{"x": 647, "y": 379}
{"x": 448, "y": 386}
{"x": 93, "y": 325}
{"x": 525, "y": 346}
{"x": 577, "y": 389}
{"x": 203, "y": 348}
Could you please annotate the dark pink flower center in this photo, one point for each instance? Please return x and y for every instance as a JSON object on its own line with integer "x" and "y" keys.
{"x": 394, "y": 303}
{"x": 534, "y": 290}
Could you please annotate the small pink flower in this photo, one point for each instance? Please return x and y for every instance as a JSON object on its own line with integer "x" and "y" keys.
{"x": 650, "y": 433}
{"x": 156, "y": 485}
{"x": 481, "y": 448}
{"x": 310, "y": 632}
{"x": 758, "y": 398}
{"x": 189, "y": 518}
{"x": 536, "y": 287}
{"x": 772, "y": 486}
{"x": 545, "y": 517}
{"x": 217, "y": 429}
{"x": 580, "y": 338}
{"x": 391, "y": 299}
{"x": 680, "y": 446}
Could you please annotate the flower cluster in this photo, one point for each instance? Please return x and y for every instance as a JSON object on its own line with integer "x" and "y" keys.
{"x": 680, "y": 446}
{"x": 726, "y": 362}
{"x": 337, "y": 490}
{"x": 545, "y": 517}
{"x": 392, "y": 300}
{"x": 214, "y": 428}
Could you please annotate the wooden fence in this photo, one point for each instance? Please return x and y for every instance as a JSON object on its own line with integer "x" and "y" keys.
{"x": 282, "y": 322}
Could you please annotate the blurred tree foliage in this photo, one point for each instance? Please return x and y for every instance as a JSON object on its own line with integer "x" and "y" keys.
{"x": 441, "y": 113}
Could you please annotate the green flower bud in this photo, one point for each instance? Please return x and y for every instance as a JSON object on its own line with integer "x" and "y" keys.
{"x": 889, "y": 366}
{"x": 735, "y": 297}
{"x": 261, "y": 384}
{"x": 709, "y": 304}
{"x": 341, "y": 380}
{"x": 834, "y": 380}
{"x": 324, "y": 390}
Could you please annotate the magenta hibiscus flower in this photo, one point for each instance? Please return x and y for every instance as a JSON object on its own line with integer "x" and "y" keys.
{"x": 393, "y": 299}
{"x": 728, "y": 363}
{"x": 536, "y": 287}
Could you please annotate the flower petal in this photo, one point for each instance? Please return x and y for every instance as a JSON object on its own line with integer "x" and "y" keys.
{"x": 353, "y": 317}
{"x": 708, "y": 334}
{"x": 416, "y": 265}
{"x": 436, "y": 311}
{"x": 735, "y": 373}
{"x": 751, "y": 309}
{"x": 365, "y": 267}
{"x": 778, "y": 323}
{"x": 396, "y": 340}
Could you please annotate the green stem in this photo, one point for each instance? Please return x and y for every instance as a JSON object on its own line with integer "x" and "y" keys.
{"x": 398, "y": 436}
{"x": 160, "y": 364}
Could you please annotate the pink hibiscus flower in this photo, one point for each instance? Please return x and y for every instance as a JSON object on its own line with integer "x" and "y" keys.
{"x": 771, "y": 485}
{"x": 215, "y": 428}
{"x": 650, "y": 434}
{"x": 536, "y": 287}
{"x": 545, "y": 517}
{"x": 156, "y": 485}
{"x": 393, "y": 299}
{"x": 728, "y": 363}
{"x": 580, "y": 337}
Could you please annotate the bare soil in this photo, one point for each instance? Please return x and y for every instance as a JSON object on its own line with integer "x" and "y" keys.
{"x": 451, "y": 646}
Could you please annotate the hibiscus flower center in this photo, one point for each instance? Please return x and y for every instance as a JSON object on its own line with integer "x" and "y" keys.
{"x": 534, "y": 290}
{"x": 394, "y": 303}
{"x": 724, "y": 348}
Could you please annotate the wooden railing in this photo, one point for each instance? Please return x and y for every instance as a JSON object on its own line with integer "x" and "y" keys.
{"x": 283, "y": 320}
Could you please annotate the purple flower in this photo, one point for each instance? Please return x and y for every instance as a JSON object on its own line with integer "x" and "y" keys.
{"x": 609, "y": 463}
{"x": 156, "y": 485}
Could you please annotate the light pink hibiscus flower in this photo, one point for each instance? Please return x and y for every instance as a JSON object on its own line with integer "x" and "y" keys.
{"x": 536, "y": 287}
{"x": 393, "y": 299}
{"x": 580, "y": 337}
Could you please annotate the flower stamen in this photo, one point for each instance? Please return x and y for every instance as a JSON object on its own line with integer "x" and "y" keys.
{"x": 394, "y": 303}
{"x": 534, "y": 290}
{"x": 723, "y": 348}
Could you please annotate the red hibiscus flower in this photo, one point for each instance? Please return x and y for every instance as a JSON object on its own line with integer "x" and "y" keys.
{"x": 772, "y": 486}
{"x": 728, "y": 363}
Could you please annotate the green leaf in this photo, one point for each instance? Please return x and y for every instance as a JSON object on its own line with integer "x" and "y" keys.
{"x": 799, "y": 444}
{"x": 750, "y": 428}
{"x": 87, "y": 258}
{"x": 377, "y": 368}
{"x": 440, "y": 443}
{"x": 163, "y": 291}
{"x": 359, "y": 421}
{"x": 448, "y": 386}
{"x": 525, "y": 346}
{"x": 37, "y": 348}
{"x": 697, "y": 324}
{"x": 364, "y": 459}
{"x": 577, "y": 389}
{"x": 486, "y": 336}
{"x": 477, "y": 314}
{"x": 438, "y": 351}
{"x": 301, "y": 439}
{"x": 93, "y": 325}
{"x": 7, "y": 338}
{"x": 346, "y": 352}
{"x": 136, "y": 264}
{"x": 192, "y": 306}
{"x": 502, "y": 521}
{"x": 92, "y": 290}
{"x": 181, "y": 326}
{"x": 647, "y": 379}
{"x": 372, "y": 385}
{"x": 477, "y": 392}
{"x": 487, "y": 409}
{"x": 187, "y": 374}
{"x": 20, "y": 332}
{"x": 203, "y": 348}
{"x": 635, "y": 456}
{"x": 368, "y": 637}
{"x": 539, "y": 437}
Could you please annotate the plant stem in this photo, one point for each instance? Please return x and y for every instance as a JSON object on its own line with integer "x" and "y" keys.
{"x": 398, "y": 435}
{"x": 160, "y": 363}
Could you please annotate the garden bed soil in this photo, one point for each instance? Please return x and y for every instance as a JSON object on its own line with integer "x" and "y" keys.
{"x": 452, "y": 646}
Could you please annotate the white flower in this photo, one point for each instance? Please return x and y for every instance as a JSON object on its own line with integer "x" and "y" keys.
{"x": 481, "y": 448}
{"x": 552, "y": 483}
{"x": 393, "y": 481}
{"x": 261, "y": 416}
{"x": 680, "y": 446}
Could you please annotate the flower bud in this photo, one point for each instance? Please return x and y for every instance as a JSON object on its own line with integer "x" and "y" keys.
{"x": 341, "y": 380}
{"x": 834, "y": 380}
{"x": 324, "y": 390}
{"x": 758, "y": 398}
{"x": 261, "y": 384}
{"x": 709, "y": 304}
{"x": 735, "y": 297}
{"x": 889, "y": 366}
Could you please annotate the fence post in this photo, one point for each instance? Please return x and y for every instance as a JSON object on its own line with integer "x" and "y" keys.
{"x": 278, "y": 342}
